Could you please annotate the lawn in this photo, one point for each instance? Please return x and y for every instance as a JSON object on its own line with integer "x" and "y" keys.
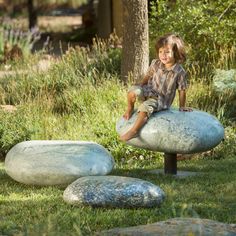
{"x": 39, "y": 210}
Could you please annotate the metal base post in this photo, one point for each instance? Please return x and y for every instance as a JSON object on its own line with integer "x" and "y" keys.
{"x": 170, "y": 163}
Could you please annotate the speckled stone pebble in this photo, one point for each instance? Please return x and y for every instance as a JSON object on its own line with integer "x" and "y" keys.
{"x": 172, "y": 131}
{"x": 56, "y": 162}
{"x": 113, "y": 191}
{"x": 177, "y": 227}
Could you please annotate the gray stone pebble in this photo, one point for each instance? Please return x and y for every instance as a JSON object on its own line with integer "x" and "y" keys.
{"x": 172, "y": 131}
{"x": 113, "y": 191}
{"x": 56, "y": 162}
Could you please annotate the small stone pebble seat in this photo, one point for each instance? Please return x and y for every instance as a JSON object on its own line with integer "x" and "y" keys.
{"x": 174, "y": 132}
{"x": 113, "y": 191}
{"x": 45, "y": 162}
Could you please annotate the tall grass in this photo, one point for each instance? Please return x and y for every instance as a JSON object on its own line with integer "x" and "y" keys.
{"x": 201, "y": 92}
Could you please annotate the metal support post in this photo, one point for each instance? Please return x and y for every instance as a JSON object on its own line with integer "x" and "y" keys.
{"x": 170, "y": 163}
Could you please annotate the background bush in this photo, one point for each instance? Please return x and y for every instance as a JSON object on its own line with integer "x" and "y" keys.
{"x": 206, "y": 26}
{"x": 14, "y": 128}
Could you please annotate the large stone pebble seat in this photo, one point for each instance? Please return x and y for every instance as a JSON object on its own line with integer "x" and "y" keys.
{"x": 113, "y": 191}
{"x": 172, "y": 131}
{"x": 56, "y": 162}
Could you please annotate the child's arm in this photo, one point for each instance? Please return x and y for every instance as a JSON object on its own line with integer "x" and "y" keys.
{"x": 182, "y": 101}
{"x": 148, "y": 75}
{"x": 144, "y": 80}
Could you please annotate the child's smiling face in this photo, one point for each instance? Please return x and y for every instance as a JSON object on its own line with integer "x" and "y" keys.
{"x": 166, "y": 56}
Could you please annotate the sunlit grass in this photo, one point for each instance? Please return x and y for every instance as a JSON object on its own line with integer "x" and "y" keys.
{"x": 41, "y": 208}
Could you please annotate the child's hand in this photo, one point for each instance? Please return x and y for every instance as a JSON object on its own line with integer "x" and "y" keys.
{"x": 185, "y": 109}
{"x": 128, "y": 114}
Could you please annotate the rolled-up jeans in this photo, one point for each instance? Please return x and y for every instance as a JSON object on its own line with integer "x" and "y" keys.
{"x": 149, "y": 104}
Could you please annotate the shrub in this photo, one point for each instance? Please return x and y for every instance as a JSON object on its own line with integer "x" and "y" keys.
{"x": 207, "y": 26}
{"x": 14, "y": 128}
{"x": 79, "y": 68}
{"x": 224, "y": 85}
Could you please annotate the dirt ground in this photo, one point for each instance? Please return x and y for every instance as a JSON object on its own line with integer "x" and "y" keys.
{"x": 57, "y": 28}
{"x": 53, "y": 23}
{"x": 59, "y": 23}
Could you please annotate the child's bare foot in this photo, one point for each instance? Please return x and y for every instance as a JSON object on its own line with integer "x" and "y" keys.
{"x": 129, "y": 135}
{"x": 128, "y": 114}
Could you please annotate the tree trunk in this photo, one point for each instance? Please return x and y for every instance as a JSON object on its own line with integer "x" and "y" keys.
{"x": 135, "y": 52}
{"x": 104, "y": 18}
{"x": 32, "y": 14}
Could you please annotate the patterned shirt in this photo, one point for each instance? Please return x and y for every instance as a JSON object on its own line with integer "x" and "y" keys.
{"x": 162, "y": 83}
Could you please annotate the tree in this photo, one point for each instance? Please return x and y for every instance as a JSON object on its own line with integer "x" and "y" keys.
{"x": 32, "y": 14}
{"x": 135, "y": 52}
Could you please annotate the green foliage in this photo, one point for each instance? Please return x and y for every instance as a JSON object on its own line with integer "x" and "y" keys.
{"x": 225, "y": 81}
{"x": 11, "y": 35}
{"x": 79, "y": 68}
{"x": 216, "y": 97}
{"x": 224, "y": 86}
{"x": 207, "y": 26}
{"x": 14, "y": 128}
{"x": 203, "y": 97}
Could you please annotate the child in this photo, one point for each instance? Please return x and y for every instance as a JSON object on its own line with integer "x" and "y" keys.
{"x": 158, "y": 87}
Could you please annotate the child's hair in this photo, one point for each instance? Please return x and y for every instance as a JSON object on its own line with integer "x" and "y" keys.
{"x": 176, "y": 43}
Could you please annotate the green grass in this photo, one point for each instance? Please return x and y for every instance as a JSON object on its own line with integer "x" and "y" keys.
{"x": 41, "y": 209}
{"x": 81, "y": 98}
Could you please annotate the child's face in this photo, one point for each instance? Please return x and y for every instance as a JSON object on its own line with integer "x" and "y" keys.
{"x": 166, "y": 55}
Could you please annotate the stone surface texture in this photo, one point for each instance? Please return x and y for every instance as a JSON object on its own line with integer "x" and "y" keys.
{"x": 177, "y": 227}
{"x": 113, "y": 191}
{"x": 56, "y": 162}
{"x": 172, "y": 131}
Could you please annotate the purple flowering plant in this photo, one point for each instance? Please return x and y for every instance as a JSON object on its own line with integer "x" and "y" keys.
{"x": 11, "y": 35}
